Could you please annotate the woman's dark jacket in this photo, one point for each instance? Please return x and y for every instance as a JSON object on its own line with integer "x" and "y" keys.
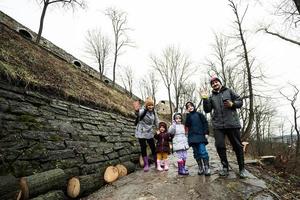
{"x": 222, "y": 117}
{"x": 163, "y": 142}
{"x": 197, "y": 128}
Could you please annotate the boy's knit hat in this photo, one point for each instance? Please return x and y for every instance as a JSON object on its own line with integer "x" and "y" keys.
{"x": 149, "y": 102}
{"x": 189, "y": 102}
{"x": 214, "y": 78}
{"x": 163, "y": 124}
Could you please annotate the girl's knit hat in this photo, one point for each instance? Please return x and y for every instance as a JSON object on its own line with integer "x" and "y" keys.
{"x": 177, "y": 114}
{"x": 149, "y": 102}
{"x": 189, "y": 102}
{"x": 163, "y": 124}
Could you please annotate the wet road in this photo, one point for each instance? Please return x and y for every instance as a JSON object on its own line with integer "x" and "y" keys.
{"x": 154, "y": 185}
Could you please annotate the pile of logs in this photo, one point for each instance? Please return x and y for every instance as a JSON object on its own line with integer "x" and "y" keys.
{"x": 55, "y": 184}
{"x": 112, "y": 173}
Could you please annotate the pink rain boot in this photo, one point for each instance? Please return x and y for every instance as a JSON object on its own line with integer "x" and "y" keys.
{"x": 159, "y": 165}
{"x": 166, "y": 167}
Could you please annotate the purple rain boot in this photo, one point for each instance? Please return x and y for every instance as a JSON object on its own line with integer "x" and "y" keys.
{"x": 181, "y": 170}
{"x": 146, "y": 164}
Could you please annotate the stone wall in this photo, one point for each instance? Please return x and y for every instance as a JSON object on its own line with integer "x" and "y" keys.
{"x": 38, "y": 133}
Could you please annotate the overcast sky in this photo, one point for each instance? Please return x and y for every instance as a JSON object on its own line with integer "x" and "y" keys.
{"x": 159, "y": 23}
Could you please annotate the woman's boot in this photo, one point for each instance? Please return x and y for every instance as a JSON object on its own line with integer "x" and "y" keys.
{"x": 146, "y": 164}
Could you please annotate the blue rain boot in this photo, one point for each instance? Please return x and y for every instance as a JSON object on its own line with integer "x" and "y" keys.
{"x": 206, "y": 167}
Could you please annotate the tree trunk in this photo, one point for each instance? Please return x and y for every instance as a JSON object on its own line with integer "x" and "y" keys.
{"x": 40, "y": 183}
{"x": 90, "y": 183}
{"x": 9, "y": 187}
{"x": 170, "y": 102}
{"x": 38, "y": 38}
{"x": 248, "y": 129}
{"x": 130, "y": 166}
{"x": 52, "y": 195}
{"x": 297, "y": 4}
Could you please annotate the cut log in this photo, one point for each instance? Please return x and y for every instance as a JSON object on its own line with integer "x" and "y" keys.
{"x": 111, "y": 174}
{"x": 9, "y": 187}
{"x": 73, "y": 188}
{"x": 141, "y": 161}
{"x": 41, "y": 183}
{"x": 252, "y": 162}
{"x": 122, "y": 171}
{"x": 90, "y": 183}
{"x": 52, "y": 195}
{"x": 245, "y": 145}
{"x": 130, "y": 166}
{"x": 268, "y": 160}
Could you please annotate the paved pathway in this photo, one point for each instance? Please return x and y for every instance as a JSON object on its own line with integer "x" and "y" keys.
{"x": 168, "y": 185}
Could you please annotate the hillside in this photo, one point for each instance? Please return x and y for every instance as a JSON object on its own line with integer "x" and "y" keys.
{"x": 26, "y": 64}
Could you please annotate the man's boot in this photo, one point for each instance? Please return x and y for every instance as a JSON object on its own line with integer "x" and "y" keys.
{"x": 242, "y": 170}
{"x": 146, "y": 164}
{"x": 224, "y": 171}
{"x": 206, "y": 167}
{"x": 200, "y": 165}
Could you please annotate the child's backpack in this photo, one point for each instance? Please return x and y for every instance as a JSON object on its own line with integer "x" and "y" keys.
{"x": 139, "y": 118}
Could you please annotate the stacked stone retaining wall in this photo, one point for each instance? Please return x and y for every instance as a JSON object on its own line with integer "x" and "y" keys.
{"x": 39, "y": 133}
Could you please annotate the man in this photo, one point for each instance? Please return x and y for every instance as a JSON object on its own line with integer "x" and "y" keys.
{"x": 225, "y": 120}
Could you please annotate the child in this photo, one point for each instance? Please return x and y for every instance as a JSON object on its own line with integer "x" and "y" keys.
{"x": 162, "y": 146}
{"x": 145, "y": 128}
{"x": 197, "y": 127}
{"x": 180, "y": 143}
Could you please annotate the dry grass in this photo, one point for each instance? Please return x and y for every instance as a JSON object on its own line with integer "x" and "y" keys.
{"x": 23, "y": 61}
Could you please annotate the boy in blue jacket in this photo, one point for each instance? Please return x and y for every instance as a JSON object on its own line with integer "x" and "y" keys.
{"x": 197, "y": 127}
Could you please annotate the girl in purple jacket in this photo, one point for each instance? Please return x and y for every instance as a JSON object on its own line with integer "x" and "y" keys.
{"x": 162, "y": 146}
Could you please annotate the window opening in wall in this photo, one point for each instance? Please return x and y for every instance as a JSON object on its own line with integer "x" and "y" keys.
{"x": 25, "y": 33}
{"x": 76, "y": 63}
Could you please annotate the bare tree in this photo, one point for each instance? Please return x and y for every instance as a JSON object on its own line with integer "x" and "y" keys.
{"x": 98, "y": 46}
{"x": 174, "y": 68}
{"x": 292, "y": 101}
{"x": 127, "y": 79}
{"x": 164, "y": 67}
{"x": 188, "y": 93}
{"x": 220, "y": 54}
{"x": 245, "y": 58}
{"x": 281, "y": 36}
{"x": 289, "y": 11}
{"x": 119, "y": 22}
{"x": 182, "y": 71}
{"x": 64, "y": 3}
{"x": 149, "y": 86}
